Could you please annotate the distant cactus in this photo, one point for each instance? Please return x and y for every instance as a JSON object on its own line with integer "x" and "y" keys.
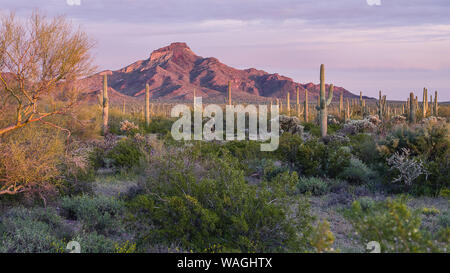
{"x": 324, "y": 103}
{"x": 147, "y": 104}
{"x": 360, "y": 103}
{"x": 306, "y": 108}
{"x": 412, "y": 108}
{"x": 436, "y": 106}
{"x": 381, "y": 104}
{"x": 105, "y": 104}
{"x": 341, "y": 105}
{"x": 425, "y": 103}
{"x": 347, "y": 111}
{"x": 288, "y": 104}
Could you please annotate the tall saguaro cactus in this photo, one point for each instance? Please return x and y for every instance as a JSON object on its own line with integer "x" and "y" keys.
{"x": 412, "y": 108}
{"x": 324, "y": 103}
{"x": 147, "y": 104}
{"x": 361, "y": 102}
{"x": 381, "y": 104}
{"x": 436, "y": 106}
{"x": 288, "y": 104}
{"x": 306, "y": 108}
{"x": 105, "y": 104}
{"x": 341, "y": 105}
{"x": 425, "y": 103}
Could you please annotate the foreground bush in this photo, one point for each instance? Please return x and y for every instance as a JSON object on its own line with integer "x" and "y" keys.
{"x": 35, "y": 230}
{"x": 428, "y": 145}
{"x": 394, "y": 226}
{"x": 29, "y": 162}
{"x": 100, "y": 214}
{"x": 205, "y": 205}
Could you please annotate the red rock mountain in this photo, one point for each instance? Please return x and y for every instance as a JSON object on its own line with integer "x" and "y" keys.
{"x": 174, "y": 71}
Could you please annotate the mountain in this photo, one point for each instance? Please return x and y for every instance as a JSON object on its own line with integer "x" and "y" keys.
{"x": 174, "y": 71}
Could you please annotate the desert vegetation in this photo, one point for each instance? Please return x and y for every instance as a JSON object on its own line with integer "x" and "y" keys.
{"x": 111, "y": 177}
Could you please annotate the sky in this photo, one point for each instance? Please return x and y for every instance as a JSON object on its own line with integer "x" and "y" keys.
{"x": 397, "y": 46}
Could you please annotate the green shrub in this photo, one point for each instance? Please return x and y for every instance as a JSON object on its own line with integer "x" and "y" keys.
{"x": 205, "y": 204}
{"x": 314, "y": 185}
{"x": 394, "y": 226}
{"x": 312, "y": 128}
{"x": 364, "y": 147}
{"x": 314, "y": 158}
{"x": 357, "y": 172}
{"x": 444, "y": 219}
{"x": 366, "y": 203}
{"x": 101, "y": 214}
{"x": 29, "y": 162}
{"x": 429, "y": 144}
{"x": 159, "y": 125}
{"x": 32, "y": 230}
{"x": 126, "y": 154}
{"x": 288, "y": 147}
{"x": 95, "y": 243}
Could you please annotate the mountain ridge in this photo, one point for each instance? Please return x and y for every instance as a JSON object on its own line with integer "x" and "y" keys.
{"x": 174, "y": 71}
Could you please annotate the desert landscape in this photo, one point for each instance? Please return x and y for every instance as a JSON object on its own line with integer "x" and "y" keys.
{"x": 89, "y": 161}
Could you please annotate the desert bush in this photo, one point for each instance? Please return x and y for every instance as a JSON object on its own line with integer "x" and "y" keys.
{"x": 160, "y": 125}
{"x": 101, "y": 214}
{"x": 444, "y": 219}
{"x": 126, "y": 154}
{"x": 322, "y": 238}
{"x": 394, "y": 226}
{"x": 317, "y": 159}
{"x": 129, "y": 128}
{"x": 92, "y": 242}
{"x": 288, "y": 147}
{"x": 269, "y": 169}
{"x": 32, "y": 230}
{"x": 314, "y": 185}
{"x": 29, "y": 162}
{"x": 428, "y": 146}
{"x": 357, "y": 172}
{"x": 364, "y": 147}
{"x": 202, "y": 203}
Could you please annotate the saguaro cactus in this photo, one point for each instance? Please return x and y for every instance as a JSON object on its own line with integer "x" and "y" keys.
{"x": 288, "y": 104}
{"x": 347, "y": 111}
{"x": 105, "y": 104}
{"x": 229, "y": 93}
{"x": 436, "y": 106}
{"x": 324, "y": 103}
{"x": 412, "y": 108}
{"x": 147, "y": 104}
{"x": 425, "y": 103}
{"x": 306, "y": 108}
{"x": 360, "y": 102}
{"x": 341, "y": 105}
{"x": 381, "y": 104}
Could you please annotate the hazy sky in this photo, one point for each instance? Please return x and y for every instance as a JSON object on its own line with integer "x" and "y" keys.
{"x": 397, "y": 47}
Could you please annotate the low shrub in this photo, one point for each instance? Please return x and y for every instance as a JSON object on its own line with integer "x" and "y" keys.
{"x": 204, "y": 204}
{"x": 29, "y": 162}
{"x": 101, "y": 214}
{"x": 314, "y": 185}
{"x": 32, "y": 230}
{"x": 357, "y": 172}
{"x": 317, "y": 159}
{"x": 126, "y": 154}
{"x": 392, "y": 224}
{"x": 95, "y": 243}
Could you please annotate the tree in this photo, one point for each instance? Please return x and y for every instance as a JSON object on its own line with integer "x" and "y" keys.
{"x": 40, "y": 57}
